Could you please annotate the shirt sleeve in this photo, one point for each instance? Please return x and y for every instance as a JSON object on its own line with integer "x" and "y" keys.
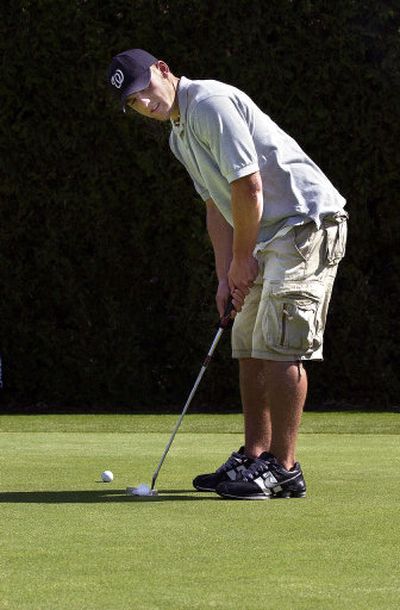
{"x": 222, "y": 128}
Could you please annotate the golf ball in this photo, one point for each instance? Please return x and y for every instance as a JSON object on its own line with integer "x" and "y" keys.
{"x": 141, "y": 490}
{"x": 107, "y": 476}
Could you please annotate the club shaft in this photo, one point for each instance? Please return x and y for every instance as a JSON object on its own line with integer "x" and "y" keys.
{"x": 189, "y": 400}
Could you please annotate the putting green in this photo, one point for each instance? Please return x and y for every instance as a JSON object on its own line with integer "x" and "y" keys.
{"x": 71, "y": 542}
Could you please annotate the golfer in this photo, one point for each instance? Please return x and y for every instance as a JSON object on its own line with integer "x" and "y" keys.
{"x": 278, "y": 230}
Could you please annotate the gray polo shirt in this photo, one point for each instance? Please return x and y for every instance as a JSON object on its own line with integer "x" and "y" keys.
{"x": 223, "y": 136}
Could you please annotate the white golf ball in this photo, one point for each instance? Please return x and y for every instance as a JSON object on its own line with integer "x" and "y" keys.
{"x": 142, "y": 490}
{"x": 107, "y": 476}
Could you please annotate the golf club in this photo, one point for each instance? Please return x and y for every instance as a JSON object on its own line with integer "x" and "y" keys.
{"x": 224, "y": 323}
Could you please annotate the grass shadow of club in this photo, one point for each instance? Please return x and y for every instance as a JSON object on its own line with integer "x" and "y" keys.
{"x": 95, "y": 496}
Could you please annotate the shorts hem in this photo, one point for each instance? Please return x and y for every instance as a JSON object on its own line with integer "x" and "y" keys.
{"x": 263, "y": 355}
{"x": 241, "y": 354}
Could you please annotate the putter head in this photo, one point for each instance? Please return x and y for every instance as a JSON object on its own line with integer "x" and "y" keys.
{"x": 141, "y": 490}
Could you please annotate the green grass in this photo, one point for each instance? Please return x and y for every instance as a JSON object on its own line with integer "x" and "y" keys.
{"x": 348, "y": 422}
{"x": 70, "y": 542}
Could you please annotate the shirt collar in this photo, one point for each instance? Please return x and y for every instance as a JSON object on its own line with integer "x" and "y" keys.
{"x": 183, "y": 94}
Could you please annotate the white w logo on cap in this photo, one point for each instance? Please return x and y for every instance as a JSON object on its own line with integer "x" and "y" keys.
{"x": 117, "y": 79}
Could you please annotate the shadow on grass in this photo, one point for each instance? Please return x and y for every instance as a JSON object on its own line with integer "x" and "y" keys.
{"x": 94, "y": 496}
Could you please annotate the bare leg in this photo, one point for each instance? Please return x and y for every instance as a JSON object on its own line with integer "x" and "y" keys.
{"x": 257, "y": 421}
{"x": 273, "y": 396}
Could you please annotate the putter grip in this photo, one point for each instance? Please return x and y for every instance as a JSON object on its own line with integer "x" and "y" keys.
{"x": 226, "y": 320}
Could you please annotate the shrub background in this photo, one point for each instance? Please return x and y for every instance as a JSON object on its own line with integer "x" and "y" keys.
{"x": 107, "y": 274}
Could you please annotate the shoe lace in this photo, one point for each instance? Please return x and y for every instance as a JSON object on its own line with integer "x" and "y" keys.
{"x": 232, "y": 462}
{"x": 257, "y": 468}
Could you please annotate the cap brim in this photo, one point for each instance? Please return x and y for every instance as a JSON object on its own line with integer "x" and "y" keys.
{"x": 140, "y": 83}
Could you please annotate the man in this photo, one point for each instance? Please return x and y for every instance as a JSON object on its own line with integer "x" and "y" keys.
{"x": 278, "y": 231}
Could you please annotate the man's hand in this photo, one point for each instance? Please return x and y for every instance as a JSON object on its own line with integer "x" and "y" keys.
{"x": 241, "y": 276}
{"x": 222, "y": 297}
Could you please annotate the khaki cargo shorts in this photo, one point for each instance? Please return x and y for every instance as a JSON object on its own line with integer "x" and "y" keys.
{"x": 284, "y": 315}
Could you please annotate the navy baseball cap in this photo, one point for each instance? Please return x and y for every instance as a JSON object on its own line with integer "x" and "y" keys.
{"x": 130, "y": 72}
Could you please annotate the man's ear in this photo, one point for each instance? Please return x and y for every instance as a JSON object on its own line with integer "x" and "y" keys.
{"x": 163, "y": 68}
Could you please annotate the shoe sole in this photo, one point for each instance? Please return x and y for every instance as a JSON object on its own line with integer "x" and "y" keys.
{"x": 288, "y": 495}
{"x": 252, "y": 497}
{"x": 204, "y": 488}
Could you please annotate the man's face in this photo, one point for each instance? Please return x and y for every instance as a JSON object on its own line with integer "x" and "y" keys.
{"x": 158, "y": 100}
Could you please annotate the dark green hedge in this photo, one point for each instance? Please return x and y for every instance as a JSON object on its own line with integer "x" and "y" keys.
{"x": 106, "y": 271}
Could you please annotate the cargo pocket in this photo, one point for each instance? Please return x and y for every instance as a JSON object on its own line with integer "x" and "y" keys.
{"x": 336, "y": 238}
{"x": 304, "y": 237}
{"x": 290, "y": 324}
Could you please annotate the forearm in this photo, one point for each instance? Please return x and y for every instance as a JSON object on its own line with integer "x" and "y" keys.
{"x": 221, "y": 236}
{"x": 247, "y": 208}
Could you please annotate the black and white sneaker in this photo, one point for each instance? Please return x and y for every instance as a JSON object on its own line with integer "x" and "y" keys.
{"x": 265, "y": 478}
{"x": 230, "y": 471}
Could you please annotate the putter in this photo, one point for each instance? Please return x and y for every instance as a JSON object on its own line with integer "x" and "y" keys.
{"x": 224, "y": 323}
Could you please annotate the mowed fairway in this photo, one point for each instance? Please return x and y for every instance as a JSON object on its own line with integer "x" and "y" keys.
{"x": 71, "y": 542}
